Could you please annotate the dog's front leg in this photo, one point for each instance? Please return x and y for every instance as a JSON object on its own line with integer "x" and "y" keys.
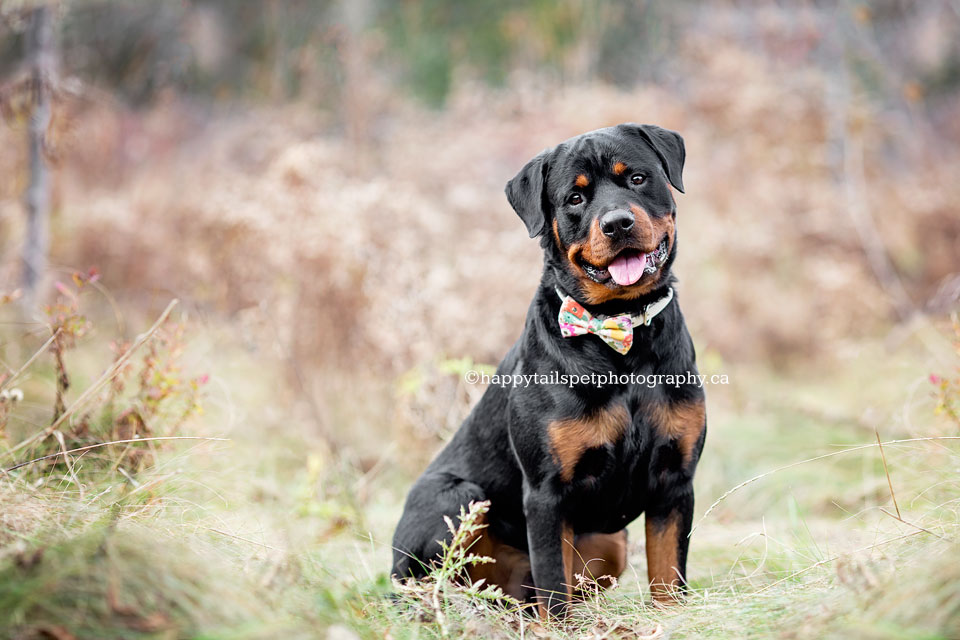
{"x": 551, "y": 551}
{"x": 668, "y": 523}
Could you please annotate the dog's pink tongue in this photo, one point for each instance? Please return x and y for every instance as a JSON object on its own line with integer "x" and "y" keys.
{"x": 627, "y": 268}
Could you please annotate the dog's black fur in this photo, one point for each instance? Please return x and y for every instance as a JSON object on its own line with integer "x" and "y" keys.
{"x": 506, "y": 451}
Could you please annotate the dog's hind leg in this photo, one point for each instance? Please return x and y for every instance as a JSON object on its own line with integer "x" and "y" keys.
{"x": 416, "y": 542}
{"x": 600, "y": 557}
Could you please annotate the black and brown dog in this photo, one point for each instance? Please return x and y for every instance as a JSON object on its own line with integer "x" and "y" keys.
{"x": 567, "y": 468}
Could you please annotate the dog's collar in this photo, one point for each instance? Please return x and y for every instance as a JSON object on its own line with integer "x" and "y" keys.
{"x": 616, "y": 331}
{"x": 643, "y": 318}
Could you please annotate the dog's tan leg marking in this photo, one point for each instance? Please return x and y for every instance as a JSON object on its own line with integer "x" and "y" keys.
{"x": 662, "y": 558}
{"x": 511, "y": 567}
{"x": 599, "y": 555}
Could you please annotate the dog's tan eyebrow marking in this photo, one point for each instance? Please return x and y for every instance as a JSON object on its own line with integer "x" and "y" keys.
{"x": 582, "y": 181}
{"x": 619, "y": 168}
{"x": 556, "y": 234}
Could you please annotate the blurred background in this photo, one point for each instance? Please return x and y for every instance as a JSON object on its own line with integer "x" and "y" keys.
{"x": 307, "y": 169}
{"x": 320, "y": 184}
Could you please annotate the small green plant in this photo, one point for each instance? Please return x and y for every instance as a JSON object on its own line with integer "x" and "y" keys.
{"x": 67, "y": 325}
{"x": 163, "y": 398}
{"x": 436, "y": 594}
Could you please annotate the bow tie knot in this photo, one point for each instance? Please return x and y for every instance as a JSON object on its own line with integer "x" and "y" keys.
{"x": 616, "y": 331}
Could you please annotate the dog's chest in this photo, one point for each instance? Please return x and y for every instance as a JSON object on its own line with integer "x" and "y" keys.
{"x": 601, "y": 458}
{"x": 608, "y": 487}
{"x": 611, "y": 431}
{"x": 608, "y": 479}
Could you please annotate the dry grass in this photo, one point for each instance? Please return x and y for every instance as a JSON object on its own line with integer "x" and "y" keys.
{"x": 292, "y": 538}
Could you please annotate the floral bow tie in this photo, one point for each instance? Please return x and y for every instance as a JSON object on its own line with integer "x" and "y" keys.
{"x": 616, "y": 331}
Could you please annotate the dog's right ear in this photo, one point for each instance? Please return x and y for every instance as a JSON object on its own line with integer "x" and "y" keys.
{"x": 527, "y": 194}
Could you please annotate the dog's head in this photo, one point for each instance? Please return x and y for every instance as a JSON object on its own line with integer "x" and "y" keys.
{"x": 602, "y": 203}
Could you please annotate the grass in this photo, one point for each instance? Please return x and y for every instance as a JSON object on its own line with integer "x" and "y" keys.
{"x": 276, "y": 532}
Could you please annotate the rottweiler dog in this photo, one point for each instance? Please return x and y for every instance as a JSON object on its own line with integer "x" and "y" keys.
{"x": 568, "y": 461}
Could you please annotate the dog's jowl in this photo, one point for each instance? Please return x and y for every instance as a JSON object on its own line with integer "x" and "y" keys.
{"x": 566, "y": 467}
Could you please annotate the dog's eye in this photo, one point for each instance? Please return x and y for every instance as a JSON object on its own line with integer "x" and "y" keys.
{"x": 575, "y": 199}
{"x": 637, "y": 178}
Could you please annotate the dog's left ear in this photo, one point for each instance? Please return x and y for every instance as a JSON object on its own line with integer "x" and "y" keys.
{"x": 527, "y": 195}
{"x": 668, "y": 145}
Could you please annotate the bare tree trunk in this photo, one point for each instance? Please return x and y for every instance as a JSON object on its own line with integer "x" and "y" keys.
{"x": 357, "y": 15}
{"x": 41, "y": 56}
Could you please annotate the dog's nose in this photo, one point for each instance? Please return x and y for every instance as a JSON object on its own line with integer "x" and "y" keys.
{"x": 616, "y": 224}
